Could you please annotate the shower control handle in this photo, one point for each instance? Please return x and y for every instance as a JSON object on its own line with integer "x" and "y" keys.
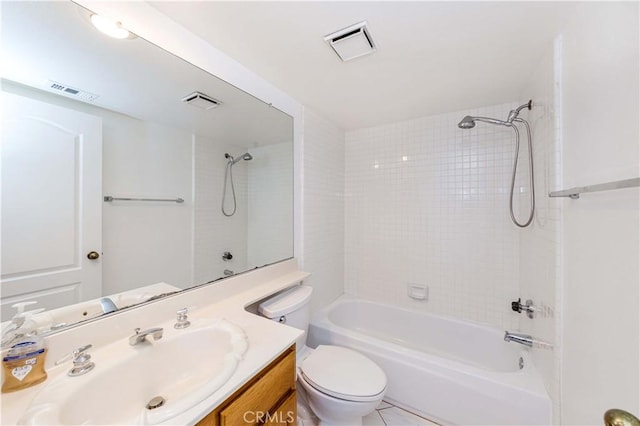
{"x": 518, "y": 307}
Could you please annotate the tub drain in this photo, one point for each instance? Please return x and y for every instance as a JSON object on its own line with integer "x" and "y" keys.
{"x": 155, "y": 402}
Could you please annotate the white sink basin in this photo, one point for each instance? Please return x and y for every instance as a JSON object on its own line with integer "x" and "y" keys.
{"x": 184, "y": 367}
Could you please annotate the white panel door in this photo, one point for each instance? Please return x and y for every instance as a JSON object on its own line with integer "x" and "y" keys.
{"x": 51, "y": 207}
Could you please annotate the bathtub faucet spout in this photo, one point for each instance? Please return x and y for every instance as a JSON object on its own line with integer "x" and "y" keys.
{"x": 523, "y": 339}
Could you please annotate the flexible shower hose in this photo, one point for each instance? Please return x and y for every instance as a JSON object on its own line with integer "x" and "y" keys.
{"x": 532, "y": 197}
{"x": 228, "y": 172}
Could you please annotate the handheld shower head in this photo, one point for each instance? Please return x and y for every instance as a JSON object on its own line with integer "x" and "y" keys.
{"x": 246, "y": 156}
{"x": 467, "y": 123}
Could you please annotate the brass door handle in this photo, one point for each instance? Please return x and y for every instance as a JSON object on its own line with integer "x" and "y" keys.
{"x": 616, "y": 417}
{"x": 93, "y": 255}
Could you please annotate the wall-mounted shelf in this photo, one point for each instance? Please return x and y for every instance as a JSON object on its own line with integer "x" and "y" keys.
{"x": 109, "y": 198}
{"x": 574, "y": 193}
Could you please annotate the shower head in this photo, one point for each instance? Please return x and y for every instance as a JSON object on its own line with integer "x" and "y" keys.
{"x": 467, "y": 123}
{"x": 246, "y": 156}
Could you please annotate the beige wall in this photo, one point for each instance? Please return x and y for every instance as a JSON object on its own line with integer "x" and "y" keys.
{"x": 600, "y": 348}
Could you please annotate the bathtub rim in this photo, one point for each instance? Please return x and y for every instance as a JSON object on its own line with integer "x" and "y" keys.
{"x": 526, "y": 380}
{"x": 346, "y": 297}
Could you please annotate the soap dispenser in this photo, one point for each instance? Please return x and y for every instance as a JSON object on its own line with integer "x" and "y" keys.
{"x": 23, "y": 351}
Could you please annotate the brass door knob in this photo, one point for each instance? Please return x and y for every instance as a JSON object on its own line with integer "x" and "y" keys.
{"x": 617, "y": 417}
{"x": 93, "y": 255}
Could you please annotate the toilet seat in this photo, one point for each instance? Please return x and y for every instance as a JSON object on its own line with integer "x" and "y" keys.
{"x": 343, "y": 373}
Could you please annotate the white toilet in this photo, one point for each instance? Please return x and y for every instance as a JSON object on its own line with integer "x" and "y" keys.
{"x": 339, "y": 384}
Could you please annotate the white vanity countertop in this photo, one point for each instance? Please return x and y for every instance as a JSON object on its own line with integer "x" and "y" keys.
{"x": 226, "y": 299}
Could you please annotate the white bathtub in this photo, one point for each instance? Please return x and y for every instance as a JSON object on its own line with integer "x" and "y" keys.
{"x": 450, "y": 371}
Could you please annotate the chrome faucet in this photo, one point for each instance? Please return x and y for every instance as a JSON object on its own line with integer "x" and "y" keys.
{"x": 107, "y": 305}
{"x": 82, "y": 363}
{"x": 182, "y": 321}
{"x": 523, "y": 339}
{"x": 141, "y": 336}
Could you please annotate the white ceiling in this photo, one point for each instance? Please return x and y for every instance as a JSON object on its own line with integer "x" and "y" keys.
{"x": 433, "y": 57}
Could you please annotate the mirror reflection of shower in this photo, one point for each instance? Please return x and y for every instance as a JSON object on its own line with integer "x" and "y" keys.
{"x": 228, "y": 176}
{"x": 469, "y": 122}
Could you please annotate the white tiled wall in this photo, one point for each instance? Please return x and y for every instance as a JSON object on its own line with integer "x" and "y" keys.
{"x": 427, "y": 203}
{"x": 539, "y": 243}
{"x": 323, "y": 208}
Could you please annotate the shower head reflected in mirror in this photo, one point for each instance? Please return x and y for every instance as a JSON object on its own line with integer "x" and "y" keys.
{"x": 246, "y": 156}
{"x": 228, "y": 175}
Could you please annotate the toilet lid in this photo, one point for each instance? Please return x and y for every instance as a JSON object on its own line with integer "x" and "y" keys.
{"x": 344, "y": 373}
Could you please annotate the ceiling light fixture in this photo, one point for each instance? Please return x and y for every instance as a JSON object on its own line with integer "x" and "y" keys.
{"x": 110, "y": 27}
{"x": 352, "y": 42}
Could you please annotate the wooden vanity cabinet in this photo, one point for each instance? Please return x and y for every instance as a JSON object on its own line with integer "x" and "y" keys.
{"x": 286, "y": 412}
{"x": 269, "y": 398}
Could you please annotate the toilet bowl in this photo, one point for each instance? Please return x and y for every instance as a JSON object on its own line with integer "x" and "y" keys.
{"x": 340, "y": 385}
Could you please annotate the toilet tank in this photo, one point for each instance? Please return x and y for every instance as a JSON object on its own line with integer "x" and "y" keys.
{"x": 290, "y": 307}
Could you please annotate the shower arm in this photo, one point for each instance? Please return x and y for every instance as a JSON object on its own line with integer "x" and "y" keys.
{"x": 492, "y": 121}
{"x": 521, "y": 107}
{"x": 513, "y": 114}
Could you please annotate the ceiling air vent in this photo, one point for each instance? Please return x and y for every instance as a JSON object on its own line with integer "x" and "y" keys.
{"x": 352, "y": 42}
{"x": 201, "y": 101}
{"x": 72, "y": 91}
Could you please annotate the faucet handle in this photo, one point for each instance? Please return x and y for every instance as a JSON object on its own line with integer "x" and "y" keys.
{"x": 141, "y": 336}
{"x": 182, "y": 321}
{"x": 81, "y": 350}
{"x": 81, "y": 361}
{"x": 518, "y": 306}
{"x": 73, "y": 354}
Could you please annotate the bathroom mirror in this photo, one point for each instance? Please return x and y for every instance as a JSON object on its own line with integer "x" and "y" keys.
{"x": 116, "y": 159}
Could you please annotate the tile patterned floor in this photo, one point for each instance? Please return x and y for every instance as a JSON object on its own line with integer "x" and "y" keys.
{"x": 389, "y": 415}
